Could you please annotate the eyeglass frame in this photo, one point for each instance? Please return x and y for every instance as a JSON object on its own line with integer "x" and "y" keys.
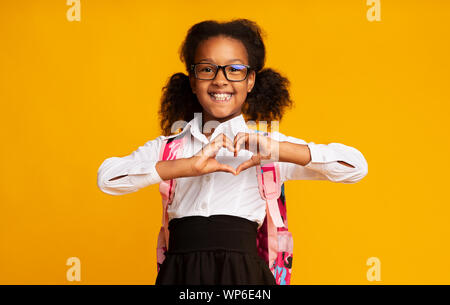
{"x": 217, "y": 71}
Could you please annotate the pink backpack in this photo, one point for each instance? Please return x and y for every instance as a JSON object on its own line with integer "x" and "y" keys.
{"x": 274, "y": 241}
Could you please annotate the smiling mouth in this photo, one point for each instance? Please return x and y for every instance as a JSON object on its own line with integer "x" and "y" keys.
{"x": 221, "y": 98}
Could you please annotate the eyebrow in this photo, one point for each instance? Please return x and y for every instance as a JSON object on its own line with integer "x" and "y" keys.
{"x": 209, "y": 59}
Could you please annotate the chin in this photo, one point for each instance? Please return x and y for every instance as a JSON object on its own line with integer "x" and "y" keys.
{"x": 221, "y": 113}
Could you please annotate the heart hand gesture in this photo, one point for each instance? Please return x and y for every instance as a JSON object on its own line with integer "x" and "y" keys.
{"x": 204, "y": 162}
{"x": 262, "y": 147}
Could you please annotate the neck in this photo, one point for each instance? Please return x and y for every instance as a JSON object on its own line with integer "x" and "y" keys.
{"x": 207, "y": 117}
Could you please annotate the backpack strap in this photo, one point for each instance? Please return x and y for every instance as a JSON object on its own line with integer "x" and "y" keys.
{"x": 270, "y": 190}
{"x": 172, "y": 149}
{"x": 269, "y": 183}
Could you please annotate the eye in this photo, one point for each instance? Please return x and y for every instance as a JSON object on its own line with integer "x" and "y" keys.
{"x": 237, "y": 68}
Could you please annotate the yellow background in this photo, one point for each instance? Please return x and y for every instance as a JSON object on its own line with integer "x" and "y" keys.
{"x": 75, "y": 93}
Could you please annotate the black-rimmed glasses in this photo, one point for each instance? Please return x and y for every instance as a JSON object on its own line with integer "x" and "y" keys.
{"x": 208, "y": 71}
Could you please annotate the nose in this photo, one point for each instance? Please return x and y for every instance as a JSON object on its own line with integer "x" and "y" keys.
{"x": 220, "y": 77}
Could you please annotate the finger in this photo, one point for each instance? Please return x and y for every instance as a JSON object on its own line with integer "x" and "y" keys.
{"x": 249, "y": 139}
{"x": 228, "y": 144}
{"x": 227, "y": 168}
{"x": 217, "y": 143}
{"x": 222, "y": 141}
{"x": 237, "y": 146}
{"x": 208, "y": 150}
{"x": 211, "y": 149}
{"x": 244, "y": 165}
{"x": 238, "y": 136}
{"x": 241, "y": 143}
{"x": 244, "y": 142}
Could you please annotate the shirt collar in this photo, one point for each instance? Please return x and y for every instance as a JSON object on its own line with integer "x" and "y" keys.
{"x": 230, "y": 128}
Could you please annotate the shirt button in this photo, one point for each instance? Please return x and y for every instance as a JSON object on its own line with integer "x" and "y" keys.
{"x": 204, "y": 205}
{"x": 207, "y": 178}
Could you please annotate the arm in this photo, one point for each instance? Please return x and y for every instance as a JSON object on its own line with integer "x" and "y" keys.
{"x": 118, "y": 176}
{"x": 299, "y": 154}
{"x": 170, "y": 169}
{"x": 123, "y": 175}
{"x": 309, "y": 161}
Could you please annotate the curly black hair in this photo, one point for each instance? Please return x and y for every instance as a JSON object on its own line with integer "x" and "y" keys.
{"x": 268, "y": 98}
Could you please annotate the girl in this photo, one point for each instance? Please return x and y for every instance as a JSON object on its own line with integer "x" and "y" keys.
{"x": 217, "y": 207}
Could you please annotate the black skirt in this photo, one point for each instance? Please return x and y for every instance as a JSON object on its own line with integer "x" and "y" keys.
{"x": 215, "y": 250}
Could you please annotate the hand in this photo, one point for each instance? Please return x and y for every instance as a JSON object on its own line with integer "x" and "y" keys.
{"x": 204, "y": 161}
{"x": 262, "y": 147}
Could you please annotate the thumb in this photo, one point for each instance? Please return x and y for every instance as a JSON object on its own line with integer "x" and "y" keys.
{"x": 227, "y": 168}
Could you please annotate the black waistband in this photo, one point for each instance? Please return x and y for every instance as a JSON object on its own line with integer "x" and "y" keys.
{"x": 217, "y": 232}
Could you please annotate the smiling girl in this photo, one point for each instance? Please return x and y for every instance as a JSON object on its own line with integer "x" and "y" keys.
{"x": 217, "y": 207}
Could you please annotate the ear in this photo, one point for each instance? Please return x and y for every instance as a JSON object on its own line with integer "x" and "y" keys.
{"x": 251, "y": 80}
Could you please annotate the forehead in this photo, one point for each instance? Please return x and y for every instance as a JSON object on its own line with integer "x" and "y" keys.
{"x": 221, "y": 50}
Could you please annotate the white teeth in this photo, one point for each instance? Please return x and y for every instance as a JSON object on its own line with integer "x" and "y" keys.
{"x": 221, "y": 96}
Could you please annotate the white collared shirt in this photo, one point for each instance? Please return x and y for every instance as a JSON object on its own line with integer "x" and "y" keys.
{"x": 222, "y": 192}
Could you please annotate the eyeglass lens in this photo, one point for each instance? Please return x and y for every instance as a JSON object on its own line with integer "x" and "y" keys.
{"x": 233, "y": 72}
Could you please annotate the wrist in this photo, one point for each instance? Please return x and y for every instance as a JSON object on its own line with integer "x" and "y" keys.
{"x": 186, "y": 166}
{"x": 283, "y": 152}
{"x": 190, "y": 165}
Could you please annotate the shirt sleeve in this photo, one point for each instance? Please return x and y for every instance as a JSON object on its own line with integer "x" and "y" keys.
{"x": 136, "y": 170}
{"x": 324, "y": 163}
